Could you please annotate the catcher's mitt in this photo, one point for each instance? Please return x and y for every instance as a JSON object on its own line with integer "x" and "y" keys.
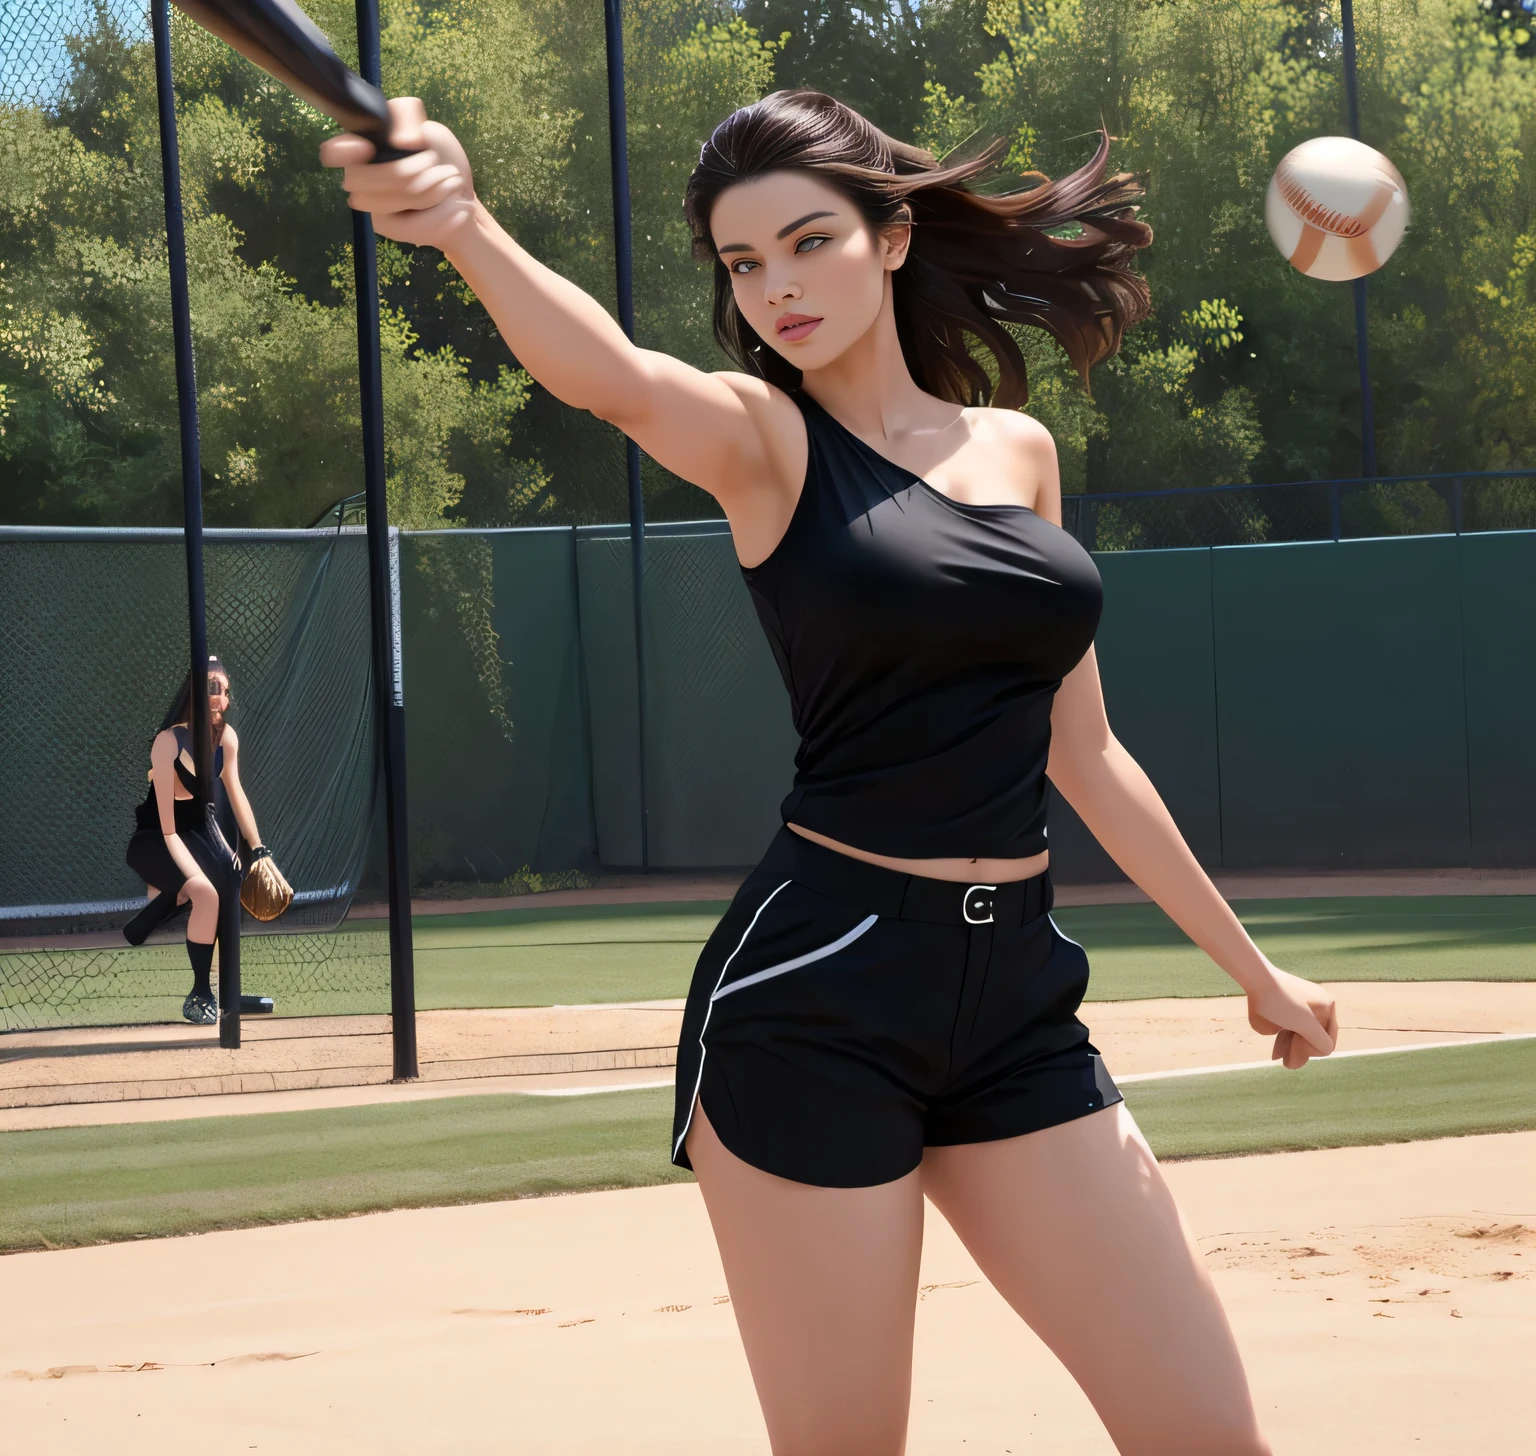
{"x": 265, "y": 893}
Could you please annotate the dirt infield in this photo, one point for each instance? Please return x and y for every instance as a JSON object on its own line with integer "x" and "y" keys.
{"x": 1382, "y": 1297}
{"x": 59, "y": 1078}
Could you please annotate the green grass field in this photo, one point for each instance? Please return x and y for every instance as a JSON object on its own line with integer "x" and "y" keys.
{"x": 572, "y": 955}
{"x": 85, "y": 1185}
{"x": 569, "y": 956}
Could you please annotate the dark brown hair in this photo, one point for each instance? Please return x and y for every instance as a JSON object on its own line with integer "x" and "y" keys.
{"x": 179, "y": 714}
{"x": 976, "y": 261}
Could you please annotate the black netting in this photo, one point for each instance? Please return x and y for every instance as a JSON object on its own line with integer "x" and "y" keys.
{"x": 92, "y": 648}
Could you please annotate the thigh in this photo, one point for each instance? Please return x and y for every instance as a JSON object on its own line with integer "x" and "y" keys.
{"x": 150, "y": 859}
{"x": 823, "y": 1282}
{"x": 1077, "y": 1230}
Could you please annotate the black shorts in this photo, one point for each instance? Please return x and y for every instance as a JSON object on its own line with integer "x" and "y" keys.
{"x": 149, "y": 857}
{"x": 843, "y": 1017}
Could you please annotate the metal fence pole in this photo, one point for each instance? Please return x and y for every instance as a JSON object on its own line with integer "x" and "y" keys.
{"x": 198, "y": 724}
{"x": 623, "y": 252}
{"x": 383, "y": 571}
{"x": 1362, "y": 335}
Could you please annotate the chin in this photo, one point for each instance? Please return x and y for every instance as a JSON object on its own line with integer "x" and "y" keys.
{"x": 804, "y": 358}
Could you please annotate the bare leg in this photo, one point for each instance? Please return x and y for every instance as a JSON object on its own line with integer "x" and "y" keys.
{"x": 824, "y": 1285}
{"x": 1076, "y": 1229}
{"x": 203, "y": 923}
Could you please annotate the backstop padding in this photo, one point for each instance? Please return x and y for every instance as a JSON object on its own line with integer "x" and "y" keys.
{"x": 499, "y": 759}
{"x": 1498, "y": 609}
{"x": 1361, "y": 703}
{"x": 1342, "y": 711}
{"x": 1156, "y": 660}
{"x": 719, "y": 743}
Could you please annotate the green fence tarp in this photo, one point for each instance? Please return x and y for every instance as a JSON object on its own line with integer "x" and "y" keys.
{"x": 1302, "y": 706}
{"x": 1343, "y": 721}
{"x": 499, "y": 762}
{"x": 1154, "y": 648}
{"x": 719, "y": 743}
{"x": 1498, "y": 609}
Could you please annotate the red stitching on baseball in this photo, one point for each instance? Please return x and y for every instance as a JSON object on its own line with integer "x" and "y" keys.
{"x": 1309, "y": 209}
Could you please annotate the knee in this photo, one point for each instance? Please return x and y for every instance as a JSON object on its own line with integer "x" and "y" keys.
{"x": 200, "y": 892}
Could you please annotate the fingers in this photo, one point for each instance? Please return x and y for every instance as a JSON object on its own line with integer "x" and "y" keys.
{"x": 407, "y": 123}
{"x": 1331, "y": 1025}
{"x": 1316, "y": 1029}
{"x": 346, "y": 150}
{"x": 412, "y": 184}
{"x": 1316, "y": 1036}
{"x": 407, "y": 131}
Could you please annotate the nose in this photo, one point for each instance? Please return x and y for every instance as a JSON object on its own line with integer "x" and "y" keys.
{"x": 780, "y": 290}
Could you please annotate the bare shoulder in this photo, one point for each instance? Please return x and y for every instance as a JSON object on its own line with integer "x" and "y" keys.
{"x": 230, "y": 739}
{"x": 164, "y": 745}
{"x": 1030, "y": 452}
{"x": 1015, "y": 428}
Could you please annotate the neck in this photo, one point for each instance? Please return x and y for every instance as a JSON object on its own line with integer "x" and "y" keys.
{"x": 869, "y": 387}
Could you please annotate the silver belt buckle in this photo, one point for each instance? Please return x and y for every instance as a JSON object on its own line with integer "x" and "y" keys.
{"x": 974, "y": 894}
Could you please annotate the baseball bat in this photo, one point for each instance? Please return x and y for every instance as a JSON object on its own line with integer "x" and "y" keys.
{"x": 283, "y": 41}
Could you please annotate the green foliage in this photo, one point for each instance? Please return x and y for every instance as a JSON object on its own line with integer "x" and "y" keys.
{"x": 1246, "y": 371}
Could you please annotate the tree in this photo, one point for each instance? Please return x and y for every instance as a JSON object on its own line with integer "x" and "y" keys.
{"x": 1246, "y": 370}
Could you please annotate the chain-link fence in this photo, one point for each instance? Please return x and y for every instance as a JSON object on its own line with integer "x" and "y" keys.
{"x": 42, "y": 43}
{"x": 91, "y": 632}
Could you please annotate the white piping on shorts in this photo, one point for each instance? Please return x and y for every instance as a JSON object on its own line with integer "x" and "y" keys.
{"x": 798, "y": 961}
{"x": 698, "y": 1081}
{"x": 1067, "y": 938}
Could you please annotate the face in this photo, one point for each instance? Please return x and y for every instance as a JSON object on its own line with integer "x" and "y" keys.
{"x": 218, "y": 698}
{"x": 809, "y": 274}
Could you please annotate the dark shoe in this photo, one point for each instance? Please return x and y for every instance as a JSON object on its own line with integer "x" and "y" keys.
{"x": 200, "y": 1010}
{"x": 153, "y": 916}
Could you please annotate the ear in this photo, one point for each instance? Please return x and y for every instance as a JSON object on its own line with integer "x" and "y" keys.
{"x": 896, "y": 238}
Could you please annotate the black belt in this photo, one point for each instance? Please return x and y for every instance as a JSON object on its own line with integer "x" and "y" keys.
{"x": 897, "y": 896}
{"x": 947, "y": 902}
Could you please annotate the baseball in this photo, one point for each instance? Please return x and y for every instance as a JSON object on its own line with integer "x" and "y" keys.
{"x": 1336, "y": 208}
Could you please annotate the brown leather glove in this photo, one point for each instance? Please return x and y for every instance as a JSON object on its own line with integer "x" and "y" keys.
{"x": 265, "y": 893}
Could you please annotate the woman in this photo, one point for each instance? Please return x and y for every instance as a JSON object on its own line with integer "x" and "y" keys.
{"x": 886, "y": 1010}
{"x": 170, "y": 849}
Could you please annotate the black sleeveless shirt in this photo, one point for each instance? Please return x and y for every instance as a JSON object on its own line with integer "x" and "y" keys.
{"x": 188, "y": 816}
{"x": 922, "y": 641}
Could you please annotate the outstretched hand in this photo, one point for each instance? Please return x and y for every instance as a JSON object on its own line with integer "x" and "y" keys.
{"x": 424, "y": 198}
{"x": 1299, "y": 1015}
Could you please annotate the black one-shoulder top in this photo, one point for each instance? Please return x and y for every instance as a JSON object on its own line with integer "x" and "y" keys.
{"x": 922, "y": 641}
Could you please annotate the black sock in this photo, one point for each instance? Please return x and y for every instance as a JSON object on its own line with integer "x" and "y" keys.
{"x": 201, "y": 957}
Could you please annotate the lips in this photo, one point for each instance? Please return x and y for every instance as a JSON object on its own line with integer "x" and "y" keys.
{"x": 794, "y": 326}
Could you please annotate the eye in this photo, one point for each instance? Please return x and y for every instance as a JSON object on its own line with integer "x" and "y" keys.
{"x": 815, "y": 239}
{"x": 742, "y": 263}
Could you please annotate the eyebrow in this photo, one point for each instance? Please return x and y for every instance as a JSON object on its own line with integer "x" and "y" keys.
{"x": 779, "y": 236}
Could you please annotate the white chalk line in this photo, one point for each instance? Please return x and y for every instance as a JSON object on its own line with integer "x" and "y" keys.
{"x": 1482, "y": 1039}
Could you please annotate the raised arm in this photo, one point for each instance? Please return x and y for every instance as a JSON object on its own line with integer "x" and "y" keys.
{"x": 719, "y": 431}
